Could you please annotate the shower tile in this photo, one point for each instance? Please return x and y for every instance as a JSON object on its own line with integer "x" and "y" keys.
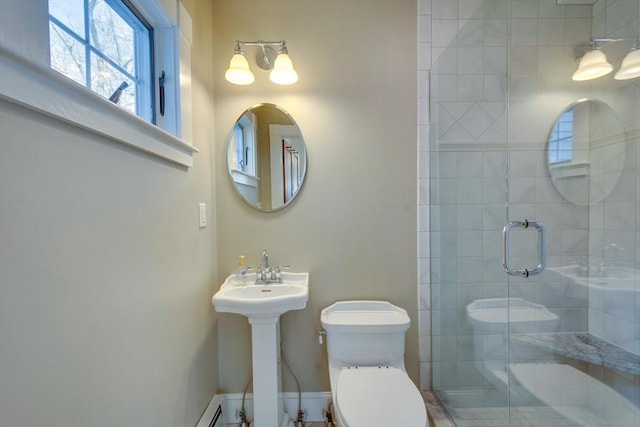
{"x": 524, "y": 32}
{"x": 424, "y": 7}
{"x": 495, "y": 62}
{"x": 579, "y": 12}
{"x": 546, "y": 192}
{"x": 470, "y": 9}
{"x": 577, "y": 31}
{"x": 447, "y": 163}
{"x": 468, "y": 165}
{"x": 494, "y": 290}
{"x": 470, "y": 33}
{"x": 522, "y": 190}
{"x": 495, "y": 9}
{"x": 465, "y": 347}
{"x": 423, "y": 192}
{"x": 469, "y": 375}
{"x": 444, "y": 9}
{"x": 575, "y": 217}
{"x": 423, "y": 218}
{"x": 424, "y": 319}
{"x": 425, "y": 56}
{"x": 550, "y": 9}
{"x": 424, "y": 28}
{"x": 443, "y": 31}
{"x": 469, "y": 192}
{"x": 470, "y": 219}
{"x": 550, "y": 214}
{"x": 492, "y": 271}
{"x": 494, "y": 89}
{"x": 522, "y": 163}
{"x": 445, "y": 64}
{"x": 624, "y": 186}
{"x": 551, "y": 32}
{"x": 445, "y": 346}
{"x": 470, "y": 87}
{"x": 467, "y": 293}
{"x": 425, "y": 301}
{"x": 423, "y": 141}
{"x": 619, "y": 305}
{"x": 423, "y": 111}
{"x": 495, "y": 32}
{"x": 495, "y": 164}
{"x": 524, "y": 9}
{"x": 469, "y": 58}
{"x": 619, "y": 331}
{"x": 524, "y": 60}
{"x": 468, "y": 270}
{"x": 575, "y": 242}
{"x": 493, "y": 219}
{"x": 444, "y": 218}
{"x": 495, "y": 188}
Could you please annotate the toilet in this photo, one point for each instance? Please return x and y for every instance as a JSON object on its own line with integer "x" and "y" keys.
{"x": 369, "y": 384}
{"x": 492, "y": 321}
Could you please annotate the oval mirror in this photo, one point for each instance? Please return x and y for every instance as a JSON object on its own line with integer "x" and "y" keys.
{"x": 585, "y": 151}
{"x": 266, "y": 157}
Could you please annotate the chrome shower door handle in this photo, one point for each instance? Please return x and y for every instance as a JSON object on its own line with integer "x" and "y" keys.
{"x": 542, "y": 252}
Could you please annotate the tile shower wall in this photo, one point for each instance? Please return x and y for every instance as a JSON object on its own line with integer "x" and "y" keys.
{"x": 423, "y": 250}
{"x": 614, "y": 240}
{"x": 465, "y": 43}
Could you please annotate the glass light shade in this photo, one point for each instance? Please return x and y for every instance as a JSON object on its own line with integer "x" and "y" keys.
{"x": 283, "y": 72}
{"x": 593, "y": 64}
{"x": 630, "y": 67}
{"x": 238, "y": 72}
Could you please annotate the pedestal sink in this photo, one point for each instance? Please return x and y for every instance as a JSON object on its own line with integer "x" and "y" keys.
{"x": 263, "y": 304}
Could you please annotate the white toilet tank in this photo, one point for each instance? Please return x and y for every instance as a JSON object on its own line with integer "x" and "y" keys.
{"x": 365, "y": 333}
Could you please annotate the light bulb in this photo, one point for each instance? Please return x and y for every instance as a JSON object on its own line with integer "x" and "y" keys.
{"x": 238, "y": 72}
{"x": 593, "y": 64}
{"x": 630, "y": 67}
{"x": 283, "y": 72}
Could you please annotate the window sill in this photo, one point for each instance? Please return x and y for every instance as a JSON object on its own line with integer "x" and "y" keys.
{"x": 570, "y": 169}
{"x": 244, "y": 178}
{"x": 44, "y": 90}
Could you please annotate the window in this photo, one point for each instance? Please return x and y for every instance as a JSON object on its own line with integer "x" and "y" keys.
{"x": 245, "y": 146}
{"x": 106, "y": 46}
{"x": 561, "y": 140}
{"x": 162, "y": 29}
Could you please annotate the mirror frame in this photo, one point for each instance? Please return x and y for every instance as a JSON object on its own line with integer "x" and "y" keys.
{"x": 294, "y": 152}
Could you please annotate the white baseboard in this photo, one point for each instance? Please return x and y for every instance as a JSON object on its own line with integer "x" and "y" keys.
{"x": 313, "y": 404}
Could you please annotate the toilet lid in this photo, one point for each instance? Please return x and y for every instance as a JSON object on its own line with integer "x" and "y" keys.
{"x": 373, "y": 396}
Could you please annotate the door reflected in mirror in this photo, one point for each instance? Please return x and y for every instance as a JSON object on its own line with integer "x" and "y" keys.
{"x": 266, "y": 157}
{"x": 585, "y": 151}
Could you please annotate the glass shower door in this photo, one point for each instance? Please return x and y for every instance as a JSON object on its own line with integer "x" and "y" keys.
{"x": 513, "y": 139}
{"x": 573, "y": 165}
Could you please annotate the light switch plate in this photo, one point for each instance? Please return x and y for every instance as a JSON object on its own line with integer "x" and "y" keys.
{"x": 202, "y": 214}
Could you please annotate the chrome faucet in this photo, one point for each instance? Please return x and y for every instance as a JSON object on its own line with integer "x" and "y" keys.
{"x": 268, "y": 274}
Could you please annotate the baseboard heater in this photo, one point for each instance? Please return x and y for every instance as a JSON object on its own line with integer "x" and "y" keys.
{"x": 224, "y": 408}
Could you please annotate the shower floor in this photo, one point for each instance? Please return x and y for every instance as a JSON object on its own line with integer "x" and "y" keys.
{"x": 530, "y": 416}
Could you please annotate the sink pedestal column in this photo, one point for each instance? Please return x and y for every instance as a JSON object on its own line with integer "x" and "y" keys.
{"x": 268, "y": 409}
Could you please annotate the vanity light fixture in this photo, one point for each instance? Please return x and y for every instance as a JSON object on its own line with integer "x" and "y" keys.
{"x": 282, "y": 71}
{"x": 630, "y": 67}
{"x": 594, "y": 63}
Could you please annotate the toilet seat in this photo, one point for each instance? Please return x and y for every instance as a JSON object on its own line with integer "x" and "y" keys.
{"x": 378, "y": 397}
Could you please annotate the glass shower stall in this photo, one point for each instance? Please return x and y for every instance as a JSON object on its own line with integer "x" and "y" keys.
{"x": 534, "y": 236}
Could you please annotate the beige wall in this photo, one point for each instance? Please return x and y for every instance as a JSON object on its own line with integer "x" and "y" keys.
{"x": 353, "y": 226}
{"x": 105, "y": 277}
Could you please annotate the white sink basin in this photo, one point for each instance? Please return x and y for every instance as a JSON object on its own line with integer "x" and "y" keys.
{"x": 242, "y": 295}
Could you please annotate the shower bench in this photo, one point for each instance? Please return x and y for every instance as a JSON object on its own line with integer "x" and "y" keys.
{"x": 583, "y": 346}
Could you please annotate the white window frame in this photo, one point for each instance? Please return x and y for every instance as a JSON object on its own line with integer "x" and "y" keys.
{"x": 27, "y": 79}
